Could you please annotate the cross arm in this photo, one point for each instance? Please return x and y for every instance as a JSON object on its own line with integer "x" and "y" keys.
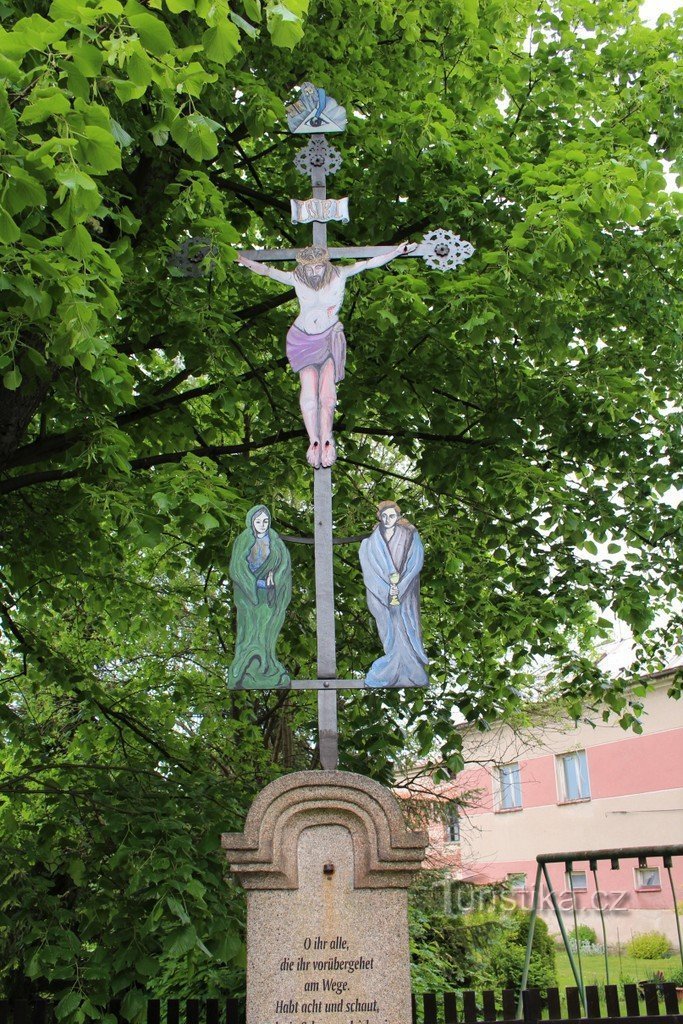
{"x": 336, "y": 252}
{"x": 440, "y": 249}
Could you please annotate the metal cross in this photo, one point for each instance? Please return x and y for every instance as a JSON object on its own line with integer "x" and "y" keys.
{"x": 315, "y": 114}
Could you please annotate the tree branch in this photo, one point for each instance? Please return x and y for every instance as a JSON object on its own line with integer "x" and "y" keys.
{"x": 212, "y": 451}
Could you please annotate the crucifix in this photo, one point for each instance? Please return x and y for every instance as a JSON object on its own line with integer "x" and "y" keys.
{"x": 316, "y": 348}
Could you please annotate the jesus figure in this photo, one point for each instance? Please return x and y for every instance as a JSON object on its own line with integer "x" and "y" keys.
{"x": 316, "y": 345}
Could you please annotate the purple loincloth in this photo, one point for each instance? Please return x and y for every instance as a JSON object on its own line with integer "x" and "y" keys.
{"x": 315, "y": 349}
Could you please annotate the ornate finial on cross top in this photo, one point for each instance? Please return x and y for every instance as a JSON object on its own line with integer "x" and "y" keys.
{"x": 392, "y": 556}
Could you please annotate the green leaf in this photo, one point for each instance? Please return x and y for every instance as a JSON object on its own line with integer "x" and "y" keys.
{"x": 250, "y": 29}
{"x": 77, "y": 242}
{"x": 71, "y": 177}
{"x": 52, "y": 103}
{"x": 178, "y": 6}
{"x": 23, "y": 190}
{"x": 127, "y": 90}
{"x": 139, "y": 69}
{"x": 208, "y": 522}
{"x": 121, "y": 135}
{"x": 194, "y": 136}
{"x": 9, "y": 232}
{"x": 68, "y": 1004}
{"x": 77, "y": 82}
{"x": 9, "y": 69}
{"x": 229, "y": 946}
{"x": 8, "y": 124}
{"x": 133, "y": 1003}
{"x": 176, "y": 907}
{"x": 97, "y": 148}
{"x": 12, "y": 379}
{"x": 285, "y": 27}
{"x": 470, "y": 11}
{"x": 222, "y": 42}
{"x": 182, "y": 941}
{"x": 153, "y": 33}
{"x": 87, "y": 58}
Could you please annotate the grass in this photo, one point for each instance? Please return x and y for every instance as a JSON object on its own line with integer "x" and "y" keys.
{"x": 621, "y": 968}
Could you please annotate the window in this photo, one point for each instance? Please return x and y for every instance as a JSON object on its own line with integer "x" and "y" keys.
{"x": 572, "y": 777}
{"x": 648, "y": 878}
{"x": 517, "y": 881}
{"x": 509, "y": 787}
{"x": 453, "y": 827}
{"x": 577, "y": 880}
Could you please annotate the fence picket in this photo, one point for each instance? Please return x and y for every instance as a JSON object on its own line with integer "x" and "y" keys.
{"x": 469, "y": 1006}
{"x": 232, "y": 1012}
{"x": 429, "y": 1008}
{"x": 670, "y": 997}
{"x": 554, "y": 1004}
{"x": 651, "y": 1000}
{"x": 153, "y": 1011}
{"x": 509, "y": 1004}
{"x": 612, "y": 1001}
{"x": 531, "y": 1002}
{"x": 573, "y": 1002}
{"x": 592, "y": 1001}
{"x": 631, "y": 998}
{"x": 489, "y": 999}
{"x": 173, "y": 1011}
{"x": 450, "y": 1008}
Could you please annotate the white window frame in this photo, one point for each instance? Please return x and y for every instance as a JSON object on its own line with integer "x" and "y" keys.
{"x": 572, "y": 883}
{"x": 453, "y": 827}
{"x": 638, "y": 883}
{"x": 503, "y": 788}
{"x": 579, "y": 762}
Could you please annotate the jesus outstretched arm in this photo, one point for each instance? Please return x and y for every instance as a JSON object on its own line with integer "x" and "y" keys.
{"x": 379, "y": 261}
{"x": 263, "y": 270}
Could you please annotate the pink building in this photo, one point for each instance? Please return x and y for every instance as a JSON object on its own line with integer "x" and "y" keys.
{"x": 558, "y": 787}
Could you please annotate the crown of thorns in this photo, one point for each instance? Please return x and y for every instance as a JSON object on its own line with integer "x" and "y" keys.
{"x": 312, "y": 254}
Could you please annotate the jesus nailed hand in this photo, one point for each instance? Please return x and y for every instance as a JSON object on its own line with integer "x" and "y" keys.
{"x": 316, "y": 345}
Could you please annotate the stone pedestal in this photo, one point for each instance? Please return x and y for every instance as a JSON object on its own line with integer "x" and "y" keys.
{"x": 326, "y": 860}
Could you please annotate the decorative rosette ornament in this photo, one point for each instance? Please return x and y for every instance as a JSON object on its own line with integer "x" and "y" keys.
{"x": 447, "y": 250}
{"x": 318, "y": 155}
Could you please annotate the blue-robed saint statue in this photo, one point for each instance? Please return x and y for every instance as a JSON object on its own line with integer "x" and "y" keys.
{"x": 391, "y": 559}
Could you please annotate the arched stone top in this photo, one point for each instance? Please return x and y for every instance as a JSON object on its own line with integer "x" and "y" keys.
{"x": 264, "y": 856}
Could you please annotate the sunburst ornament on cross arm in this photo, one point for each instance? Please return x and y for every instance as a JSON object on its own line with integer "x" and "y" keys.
{"x": 447, "y": 250}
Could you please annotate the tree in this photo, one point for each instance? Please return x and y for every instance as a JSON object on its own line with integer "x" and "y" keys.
{"x": 524, "y": 410}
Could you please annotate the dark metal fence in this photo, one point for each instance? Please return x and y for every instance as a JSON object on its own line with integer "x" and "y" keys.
{"x": 635, "y": 1004}
{"x": 658, "y": 1002}
{"x": 159, "y": 1011}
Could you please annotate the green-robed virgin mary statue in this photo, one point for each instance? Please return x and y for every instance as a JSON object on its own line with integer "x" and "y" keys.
{"x": 261, "y": 573}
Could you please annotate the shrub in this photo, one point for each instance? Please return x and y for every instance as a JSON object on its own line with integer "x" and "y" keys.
{"x": 584, "y": 933}
{"x": 504, "y": 960}
{"x": 648, "y": 946}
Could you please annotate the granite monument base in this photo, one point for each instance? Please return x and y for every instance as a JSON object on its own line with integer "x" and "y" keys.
{"x": 326, "y": 860}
